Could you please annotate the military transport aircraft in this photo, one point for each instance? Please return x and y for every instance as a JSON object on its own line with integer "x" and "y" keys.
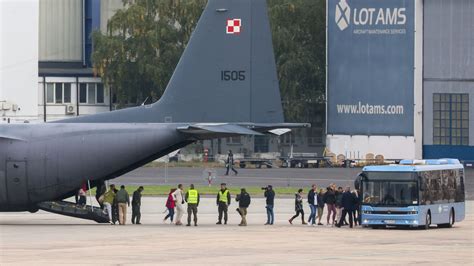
{"x": 225, "y": 84}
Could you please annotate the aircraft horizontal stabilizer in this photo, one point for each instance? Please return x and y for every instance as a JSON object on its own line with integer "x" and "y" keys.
{"x": 218, "y": 130}
{"x": 274, "y": 128}
{"x": 204, "y": 131}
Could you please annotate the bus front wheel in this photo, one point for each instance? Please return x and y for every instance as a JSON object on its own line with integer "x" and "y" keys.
{"x": 451, "y": 220}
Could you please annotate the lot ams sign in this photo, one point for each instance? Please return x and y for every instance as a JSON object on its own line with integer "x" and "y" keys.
{"x": 368, "y": 16}
{"x": 370, "y": 70}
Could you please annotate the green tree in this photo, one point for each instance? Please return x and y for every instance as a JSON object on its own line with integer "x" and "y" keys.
{"x": 142, "y": 45}
{"x": 299, "y": 40}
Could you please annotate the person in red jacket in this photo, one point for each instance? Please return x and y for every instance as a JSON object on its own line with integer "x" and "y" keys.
{"x": 170, "y": 206}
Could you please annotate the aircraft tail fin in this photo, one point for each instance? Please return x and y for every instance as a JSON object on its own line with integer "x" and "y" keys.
{"x": 227, "y": 73}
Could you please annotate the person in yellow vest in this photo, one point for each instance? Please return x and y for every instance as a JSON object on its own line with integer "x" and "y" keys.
{"x": 192, "y": 197}
{"x": 223, "y": 202}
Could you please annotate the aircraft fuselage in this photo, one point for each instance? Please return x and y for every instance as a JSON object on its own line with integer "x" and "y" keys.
{"x": 50, "y": 161}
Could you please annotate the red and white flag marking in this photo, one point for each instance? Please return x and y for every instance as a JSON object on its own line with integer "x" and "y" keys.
{"x": 234, "y": 26}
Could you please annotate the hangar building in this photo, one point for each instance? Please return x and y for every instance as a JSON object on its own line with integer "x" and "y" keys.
{"x": 400, "y": 79}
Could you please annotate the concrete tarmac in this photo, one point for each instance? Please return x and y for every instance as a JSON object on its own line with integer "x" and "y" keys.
{"x": 43, "y": 238}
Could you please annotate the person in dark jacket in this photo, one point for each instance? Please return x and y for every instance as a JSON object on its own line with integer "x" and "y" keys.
{"x": 330, "y": 200}
{"x": 348, "y": 205}
{"x": 270, "y": 201}
{"x": 298, "y": 206}
{"x": 313, "y": 204}
{"x": 244, "y": 202}
{"x": 230, "y": 163}
{"x": 115, "y": 208}
{"x": 320, "y": 205}
{"x": 338, "y": 194}
{"x": 136, "y": 203}
{"x": 355, "y": 212}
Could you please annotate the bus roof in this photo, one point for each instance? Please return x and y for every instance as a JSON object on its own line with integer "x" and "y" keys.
{"x": 416, "y": 166}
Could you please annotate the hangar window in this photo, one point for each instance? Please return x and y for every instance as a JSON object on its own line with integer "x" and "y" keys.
{"x": 100, "y": 93}
{"x": 58, "y": 92}
{"x": 450, "y": 119}
{"x": 83, "y": 93}
{"x": 67, "y": 92}
{"x": 91, "y": 93}
{"x": 49, "y": 92}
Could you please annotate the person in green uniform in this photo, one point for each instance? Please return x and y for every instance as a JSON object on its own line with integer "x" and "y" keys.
{"x": 192, "y": 197}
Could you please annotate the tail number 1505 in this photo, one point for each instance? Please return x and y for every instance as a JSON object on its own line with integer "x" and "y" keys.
{"x": 228, "y": 75}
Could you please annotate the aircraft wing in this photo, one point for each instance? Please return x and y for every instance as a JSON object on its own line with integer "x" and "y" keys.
{"x": 217, "y": 130}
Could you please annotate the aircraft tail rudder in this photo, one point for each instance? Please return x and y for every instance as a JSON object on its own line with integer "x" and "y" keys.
{"x": 227, "y": 72}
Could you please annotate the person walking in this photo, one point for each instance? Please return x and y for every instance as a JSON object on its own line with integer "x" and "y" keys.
{"x": 312, "y": 202}
{"x": 298, "y": 206}
{"x": 244, "y": 202}
{"x": 330, "y": 200}
{"x": 115, "y": 208}
{"x": 320, "y": 200}
{"x": 347, "y": 207}
{"x": 338, "y": 194}
{"x": 270, "y": 202}
{"x": 136, "y": 204}
{"x": 109, "y": 198}
{"x": 123, "y": 200}
{"x": 230, "y": 163}
{"x": 170, "y": 204}
{"x": 355, "y": 211}
{"x": 223, "y": 202}
{"x": 192, "y": 197}
{"x": 179, "y": 203}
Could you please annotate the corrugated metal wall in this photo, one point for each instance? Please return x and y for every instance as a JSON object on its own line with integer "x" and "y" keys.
{"x": 60, "y": 30}
{"x": 449, "y": 39}
{"x": 448, "y": 61}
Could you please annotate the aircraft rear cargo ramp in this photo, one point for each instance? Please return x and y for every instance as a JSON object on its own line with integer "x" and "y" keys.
{"x": 70, "y": 209}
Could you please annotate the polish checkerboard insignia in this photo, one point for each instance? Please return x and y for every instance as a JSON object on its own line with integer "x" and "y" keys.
{"x": 234, "y": 26}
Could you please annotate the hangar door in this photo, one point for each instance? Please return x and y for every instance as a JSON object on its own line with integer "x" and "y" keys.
{"x": 16, "y": 182}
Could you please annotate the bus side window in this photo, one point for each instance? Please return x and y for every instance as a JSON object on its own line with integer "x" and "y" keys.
{"x": 444, "y": 191}
{"x": 459, "y": 186}
{"x": 451, "y": 185}
{"x": 425, "y": 191}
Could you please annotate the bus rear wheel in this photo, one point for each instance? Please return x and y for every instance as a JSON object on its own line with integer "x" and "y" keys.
{"x": 451, "y": 221}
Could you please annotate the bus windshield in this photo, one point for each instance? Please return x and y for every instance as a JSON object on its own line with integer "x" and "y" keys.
{"x": 390, "y": 192}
